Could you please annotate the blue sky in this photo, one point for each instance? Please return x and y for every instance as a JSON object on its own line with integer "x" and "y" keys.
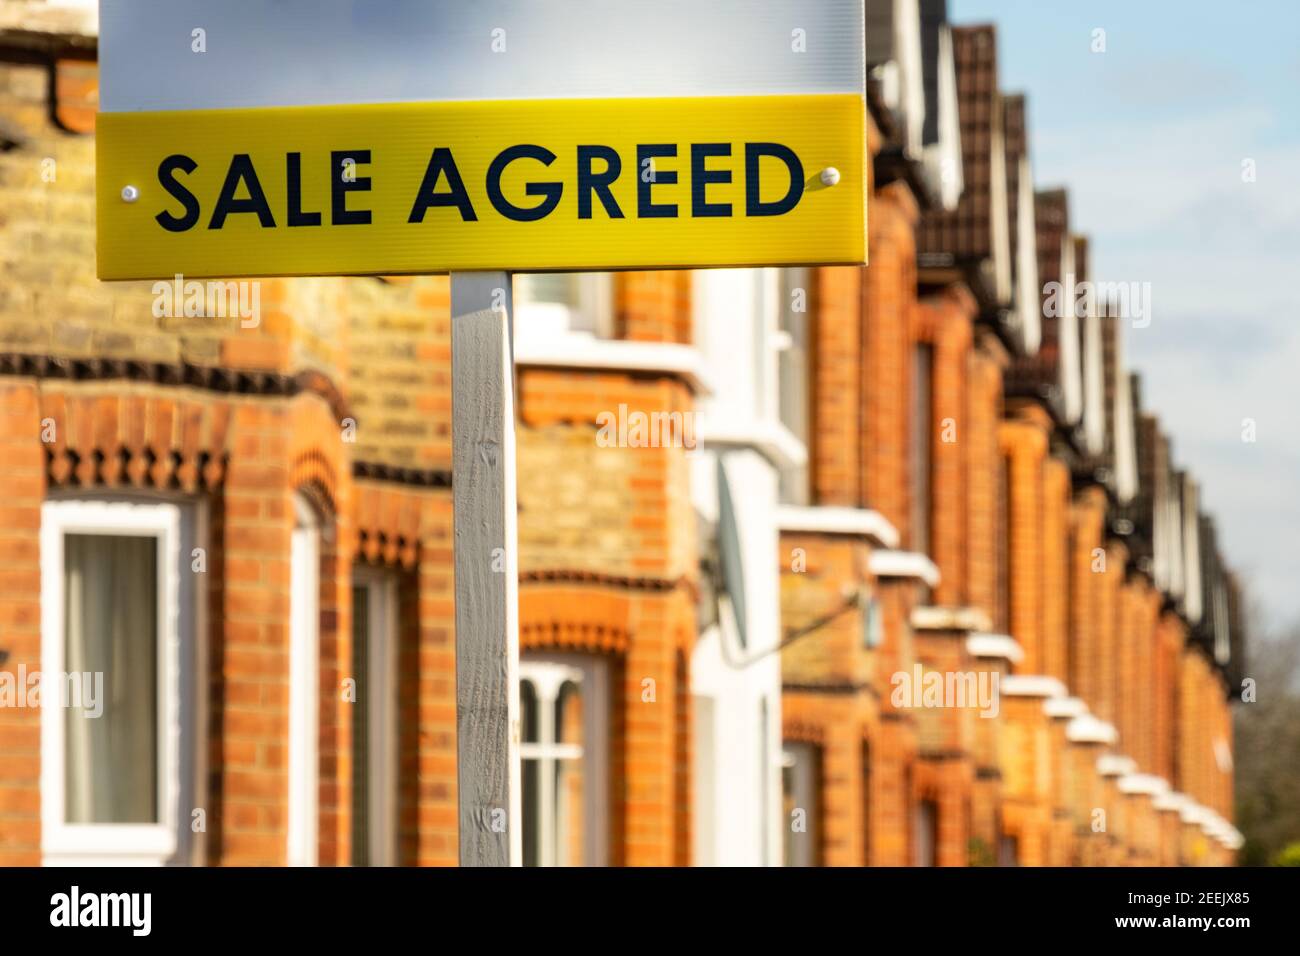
{"x": 1150, "y": 138}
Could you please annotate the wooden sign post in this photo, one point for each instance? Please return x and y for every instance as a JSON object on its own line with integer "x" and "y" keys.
{"x": 487, "y": 568}
{"x": 348, "y": 137}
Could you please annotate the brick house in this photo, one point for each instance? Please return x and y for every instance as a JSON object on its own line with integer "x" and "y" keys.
{"x": 910, "y": 468}
{"x": 306, "y": 458}
{"x": 1000, "y": 438}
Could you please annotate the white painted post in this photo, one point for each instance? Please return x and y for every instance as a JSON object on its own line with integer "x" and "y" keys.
{"x": 487, "y": 569}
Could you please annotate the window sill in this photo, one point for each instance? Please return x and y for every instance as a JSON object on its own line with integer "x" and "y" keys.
{"x": 861, "y": 522}
{"x": 1115, "y": 765}
{"x": 1065, "y": 708}
{"x": 1033, "y": 685}
{"x": 583, "y": 351}
{"x": 1088, "y": 729}
{"x": 769, "y": 438}
{"x": 108, "y": 845}
{"x": 936, "y": 618}
{"x": 904, "y": 564}
{"x": 1000, "y": 646}
{"x": 1147, "y": 784}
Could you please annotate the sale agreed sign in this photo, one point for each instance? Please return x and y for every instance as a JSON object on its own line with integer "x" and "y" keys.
{"x": 317, "y": 137}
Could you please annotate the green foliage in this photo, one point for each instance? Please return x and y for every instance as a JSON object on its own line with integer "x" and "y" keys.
{"x": 1267, "y": 752}
{"x": 1289, "y": 855}
{"x": 979, "y": 853}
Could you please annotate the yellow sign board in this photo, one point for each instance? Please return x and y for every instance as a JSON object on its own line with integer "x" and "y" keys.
{"x": 518, "y": 185}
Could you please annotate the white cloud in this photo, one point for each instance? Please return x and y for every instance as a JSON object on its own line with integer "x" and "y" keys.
{"x": 1165, "y": 203}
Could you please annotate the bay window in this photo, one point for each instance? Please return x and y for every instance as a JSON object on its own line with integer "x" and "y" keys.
{"x": 557, "y": 303}
{"x": 801, "y": 783}
{"x": 374, "y": 726}
{"x": 119, "y": 692}
{"x": 304, "y": 684}
{"x": 793, "y": 341}
{"x": 564, "y": 716}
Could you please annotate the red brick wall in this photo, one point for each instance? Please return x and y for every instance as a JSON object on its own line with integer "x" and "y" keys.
{"x": 1170, "y": 639}
{"x": 1056, "y": 569}
{"x": 244, "y": 457}
{"x": 840, "y": 718}
{"x": 629, "y": 591}
{"x": 1110, "y": 615}
{"x": 865, "y": 810}
{"x": 946, "y": 740}
{"x": 1139, "y": 607}
{"x": 1024, "y": 443}
{"x": 836, "y": 464}
{"x": 1087, "y": 515}
{"x": 1145, "y": 684}
{"x": 408, "y": 531}
{"x": 834, "y": 653}
{"x": 1027, "y": 785}
{"x": 944, "y": 322}
{"x": 243, "y": 418}
{"x": 22, "y": 488}
{"x": 889, "y": 299}
{"x": 983, "y": 489}
{"x": 653, "y": 306}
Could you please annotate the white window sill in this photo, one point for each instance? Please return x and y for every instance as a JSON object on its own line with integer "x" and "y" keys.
{"x": 108, "y": 845}
{"x": 1033, "y": 685}
{"x": 997, "y": 646}
{"x": 937, "y": 618}
{"x": 584, "y": 351}
{"x": 1195, "y": 814}
{"x": 904, "y": 564}
{"x": 1147, "y": 784}
{"x": 1171, "y": 801}
{"x": 861, "y": 522}
{"x": 769, "y": 438}
{"x": 1065, "y": 708}
{"x": 1088, "y": 729}
{"x": 1115, "y": 765}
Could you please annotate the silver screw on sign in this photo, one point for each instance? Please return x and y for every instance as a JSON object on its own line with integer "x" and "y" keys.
{"x": 131, "y": 193}
{"x": 830, "y": 176}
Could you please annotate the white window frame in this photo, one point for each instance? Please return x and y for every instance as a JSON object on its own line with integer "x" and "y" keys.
{"x": 769, "y": 341}
{"x": 999, "y": 210}
{"x": 1094, "y": 381}
{"x": 1028, "y": 288}
{"x": 547, "y": 673}
{"x": 803, "y": 760}
{"x": 704, "y": 774}
{"x": 179, "y": 649}
{"x": 945, "y": 155}
{"x": 1070, "y": 363}
{"x": 594, "y": 308}
{"x": 383, "y": 647}
{"x": 304, "y": 686}
{"x": 776, "y": 341}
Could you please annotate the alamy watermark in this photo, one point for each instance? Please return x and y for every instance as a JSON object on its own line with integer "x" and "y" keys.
{"x": 638, "y": 429}
{"x": 131, "y": 911}
{"x": 24, "y": 688}
{"x": 1124, "y": 300}
{"x": 183, "y": 298}
{"x": 921, "y": 688}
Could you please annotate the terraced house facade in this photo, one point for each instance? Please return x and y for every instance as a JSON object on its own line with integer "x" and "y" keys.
{"x": 882, "y": 566}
